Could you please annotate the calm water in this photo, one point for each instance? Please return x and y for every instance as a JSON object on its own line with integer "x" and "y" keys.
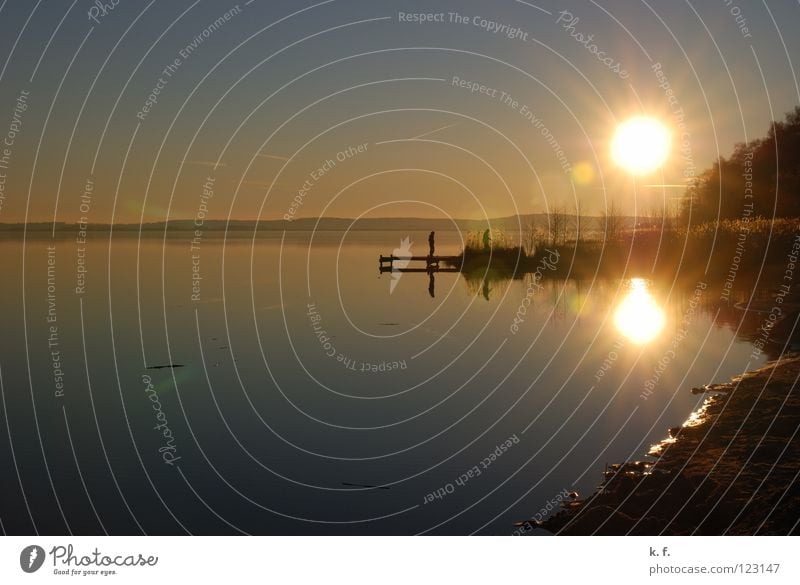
{"x": 307, "y": 377}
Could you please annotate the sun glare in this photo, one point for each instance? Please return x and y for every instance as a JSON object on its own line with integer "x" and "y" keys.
{"x": 640, "y": 145}
{"x": 638, "y": 317}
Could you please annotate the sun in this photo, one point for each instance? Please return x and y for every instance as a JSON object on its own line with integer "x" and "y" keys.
{"x": 640, "y": 145}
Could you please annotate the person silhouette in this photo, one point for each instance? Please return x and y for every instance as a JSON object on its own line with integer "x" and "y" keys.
{"x": 486, "y": 239}
{"x": 432, "y": 243}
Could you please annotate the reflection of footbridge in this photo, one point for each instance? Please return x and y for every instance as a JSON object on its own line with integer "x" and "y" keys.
{"x": 432, "y": 263}
{"x": 432, "y": 266}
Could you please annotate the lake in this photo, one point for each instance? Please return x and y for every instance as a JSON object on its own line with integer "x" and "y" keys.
{"x": 281, "y": 385}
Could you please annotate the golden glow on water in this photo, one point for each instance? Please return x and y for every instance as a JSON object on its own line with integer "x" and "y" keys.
{"x": 638, "y": 317}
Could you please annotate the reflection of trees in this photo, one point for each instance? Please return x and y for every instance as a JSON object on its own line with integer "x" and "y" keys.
{"x": 565, "y": 296}
{"x": 748, "y": 322}
{"x": 484, "y": 282}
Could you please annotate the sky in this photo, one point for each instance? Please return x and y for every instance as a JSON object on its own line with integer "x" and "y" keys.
{"x": 147, "y": 111}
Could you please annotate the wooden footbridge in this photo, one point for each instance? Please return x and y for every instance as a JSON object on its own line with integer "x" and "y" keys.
{"x": 432, "y": 263}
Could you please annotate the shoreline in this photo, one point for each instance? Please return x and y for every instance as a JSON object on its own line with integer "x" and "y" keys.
{"x": 732, "y": 468}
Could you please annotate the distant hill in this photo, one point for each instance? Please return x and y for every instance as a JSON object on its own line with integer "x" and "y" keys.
{"x": 510, "y": 223}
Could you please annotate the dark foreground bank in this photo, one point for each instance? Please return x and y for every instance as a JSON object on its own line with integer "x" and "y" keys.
{"x": 732, "y": 468}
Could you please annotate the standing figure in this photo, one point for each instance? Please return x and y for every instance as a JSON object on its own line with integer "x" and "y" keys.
{"x": 431, "y": 243}
{"x": 486, "y": 240}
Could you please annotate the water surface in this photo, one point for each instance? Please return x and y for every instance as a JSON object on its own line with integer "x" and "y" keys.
{"x": 314, "y": 396}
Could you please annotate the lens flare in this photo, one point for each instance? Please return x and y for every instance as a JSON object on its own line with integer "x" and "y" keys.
{"x": 583, "y": 173}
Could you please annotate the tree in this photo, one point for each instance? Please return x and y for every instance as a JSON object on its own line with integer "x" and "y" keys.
{"x": 557, "y": 224}
{"x": 530, "y": 238}
{"x": 660, "y": 218}
{"x": 612, "y": 222}
{"x": 764, "y": 172}
{"x": 578, "y": 221}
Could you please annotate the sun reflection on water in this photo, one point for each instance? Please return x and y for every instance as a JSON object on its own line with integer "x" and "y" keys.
{"x": 638, "y": 316}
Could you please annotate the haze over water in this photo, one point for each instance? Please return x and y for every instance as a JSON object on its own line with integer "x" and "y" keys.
{"x": 304, "y": 381}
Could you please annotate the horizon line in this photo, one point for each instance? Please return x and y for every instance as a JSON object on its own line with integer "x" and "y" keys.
{"x": 291, "y": 221}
